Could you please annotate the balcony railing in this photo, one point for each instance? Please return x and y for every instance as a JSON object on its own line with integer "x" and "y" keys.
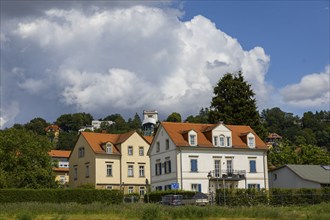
{"x": 228, "y": 174}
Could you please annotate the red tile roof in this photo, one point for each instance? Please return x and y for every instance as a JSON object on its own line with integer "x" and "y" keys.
{"x": 148, "y": 139}
{"x": 204, "y": 139}
{"x": 59, "y": 153}
{"x": 60, "y": 169}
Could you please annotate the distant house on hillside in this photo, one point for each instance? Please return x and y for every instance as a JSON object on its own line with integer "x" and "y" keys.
{"x": 273, "y": 138}
{"x": 53, "y": 131}
{"x": 60, "y": 165}
{"x": 111, "y": 161}
{"x": 300, "y": 176}
{"x": 206, "y": 157}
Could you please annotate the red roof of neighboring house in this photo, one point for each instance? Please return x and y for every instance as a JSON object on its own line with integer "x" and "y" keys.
{"x": 52, "y": 128}
{"x": 148, "y": 139}
{"x": 59, "y": 153}
{"x": 274, "y": 135}
{"x": 176, "y": 132}
{"x": 96, "y": 140}
{"x": 60, "y": 169}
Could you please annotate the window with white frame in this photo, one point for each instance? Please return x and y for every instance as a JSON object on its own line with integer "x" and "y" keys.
{"x": 141, "y": 171}
{"x": 141, "y": 190}
{"x": 253, "y": 186}
{"x": 108, "y": 148}
{"x": 192, "y": 138}
{"x": 167, "y": 165}
{"x": 215, "y": 140}
{"x": 130, "y": 189}
{"x": 141, "y": 151}
{"x": 130, "y": 171}
{"x": 197, "y": 187}
{"x": 130, "y": 150}
{"x": 251, "y": 142}
{"x": 229, "y": 165}
{"x": 253, "y": 168}
{"x": 228, "y": 139}
{"x": 222, "y": 141}
{"x": 158, "y": 168}
{"x": 217, "y": 164}
{"x": 109, "y": 169}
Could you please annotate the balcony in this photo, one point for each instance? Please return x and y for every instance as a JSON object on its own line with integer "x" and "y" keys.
{"x": 234, "y": 175}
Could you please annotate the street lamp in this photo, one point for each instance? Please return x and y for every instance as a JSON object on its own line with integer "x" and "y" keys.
{"x": 209, "y": 176}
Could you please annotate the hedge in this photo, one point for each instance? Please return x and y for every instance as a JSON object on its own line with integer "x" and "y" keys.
{"x": 275, "y": 197}
{"x": 83, "y": 196}
{"x": 156, "y": 196}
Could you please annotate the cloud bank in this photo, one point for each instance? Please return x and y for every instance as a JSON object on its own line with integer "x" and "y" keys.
{"x": 124, "y": 60}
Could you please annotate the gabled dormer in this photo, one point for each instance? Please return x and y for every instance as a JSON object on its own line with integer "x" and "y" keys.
{"x": 221, "y": 136}
{"x": 191, "y": 137}
{"x": 108, "y": 147}
{"x": 249, "y": 138}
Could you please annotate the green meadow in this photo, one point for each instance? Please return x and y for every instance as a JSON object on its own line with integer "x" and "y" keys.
{"x": 51, "y": 211}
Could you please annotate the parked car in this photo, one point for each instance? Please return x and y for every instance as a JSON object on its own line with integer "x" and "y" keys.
{"x": 201, "y": 199}
{"x": 174, "y": 200}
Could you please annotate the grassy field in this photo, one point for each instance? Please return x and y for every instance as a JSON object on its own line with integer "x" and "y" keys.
{"x": 100, "y": 211}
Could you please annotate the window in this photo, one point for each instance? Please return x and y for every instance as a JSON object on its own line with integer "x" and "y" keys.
{"x": 158, "y": 188}
{"x": 215, "y": 141}
{"x": 167, "y": 187}
{"x": 196, "y": 187}
{"x": 275, "y": 176}
{"x": 251, "y": 142}
{"x": 109, "y": 187}
{"x": 130, "y": 171}
{"x": 141, "y": 171}
{"x": 81, "y": 152}
{"x": 192, "y": 140}
{"x": 167, "y": 144}
{"x": 130, "y": 150}
{"x": 141, "y": 151}
{"x": 158, "y": 167}
{"x": 167, "y": 166}
{"x": 109, "y": 169}
{"x": 108, "y": 149}
{"x": 87, "y": 171}
{"x": 75, "y": 173}
{"x": 130, "y": 189}
{"x": 217, "y": 168}
{"x": 253, "y": 168}
{"x": 157, "y": 147}
{"x": 228, "y": 141}
{"x": 141, "y": 190}
{"x": 193, "y": 165}
{"x": 254, "y": 186}
{"x": 229, "y": 166}
{"x": 222, "y": 141}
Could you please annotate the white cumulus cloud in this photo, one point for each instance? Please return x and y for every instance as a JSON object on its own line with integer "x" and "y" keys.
{"x": 8, "y": 113}
{"x": 312, "y": 91}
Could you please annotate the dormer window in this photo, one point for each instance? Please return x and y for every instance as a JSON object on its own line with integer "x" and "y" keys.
{"x": 222, "y": 141}
{"x": 251, "y": 142}
{"x": 215, "y": 140}
{"x": 108, "y": 148}
{"x": 192, "y": 139}
{"x": 228, "y": 141}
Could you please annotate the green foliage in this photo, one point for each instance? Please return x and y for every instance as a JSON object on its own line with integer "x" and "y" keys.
{"x": 234, "y": 103}
{"x": 201, "y": 118}
{"x": 73, "y": 122}
{"x": 156, "y": 196}
{"x": 241, "y": 197}
{"x": 174, "y": 117}
{"x": 67, "y": 140}
{"x": 284, "y": 153}
{"x": 82, "y": 196}
{"x": 119, "y": 126}
{"x": 25, "y": 162}
{"x": 37, "y": 125}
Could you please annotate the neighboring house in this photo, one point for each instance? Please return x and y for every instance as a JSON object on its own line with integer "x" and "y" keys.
{"x": 111, "y": 161}
{"x": 204, "y": 157}
{"x": 60, "y": 165}
{"x": 95, "y": 125}
{"x": 150, "y": 120}
{"x": 272, "y": 139}
{"x": 53, "y": 131}
{"x": 300, "y": 176}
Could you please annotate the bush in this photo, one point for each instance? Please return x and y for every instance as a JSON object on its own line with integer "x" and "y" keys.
{"x": 156, "y": 196}
{"x": 82, "y": 196}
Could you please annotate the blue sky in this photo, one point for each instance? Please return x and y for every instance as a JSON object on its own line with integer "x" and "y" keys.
{"x": 107, "y": 57}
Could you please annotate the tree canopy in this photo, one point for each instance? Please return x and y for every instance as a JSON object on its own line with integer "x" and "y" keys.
{"x": 25, "y": 162}
{"x": 174, "y": 117}
{"x": 234, "y": 103}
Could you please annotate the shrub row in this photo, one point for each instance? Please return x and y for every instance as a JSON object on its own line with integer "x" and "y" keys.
{"x": 156, "y": 196}
{"x": 82, "y": 196}
{"x": 274, "y": 197}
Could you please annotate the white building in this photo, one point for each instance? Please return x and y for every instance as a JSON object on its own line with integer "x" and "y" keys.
{"x": 204, "y": 157}
{"x": 150, "y": 120}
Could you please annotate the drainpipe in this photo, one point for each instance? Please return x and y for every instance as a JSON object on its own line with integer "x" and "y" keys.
{"x": 265, "y": 182}
{"x": 181, "y": 168}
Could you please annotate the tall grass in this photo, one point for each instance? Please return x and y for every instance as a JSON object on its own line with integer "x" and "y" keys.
{"x": 27, "y": 211}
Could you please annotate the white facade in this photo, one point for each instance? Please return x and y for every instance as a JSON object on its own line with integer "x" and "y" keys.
{"x": 190, "y": 165}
